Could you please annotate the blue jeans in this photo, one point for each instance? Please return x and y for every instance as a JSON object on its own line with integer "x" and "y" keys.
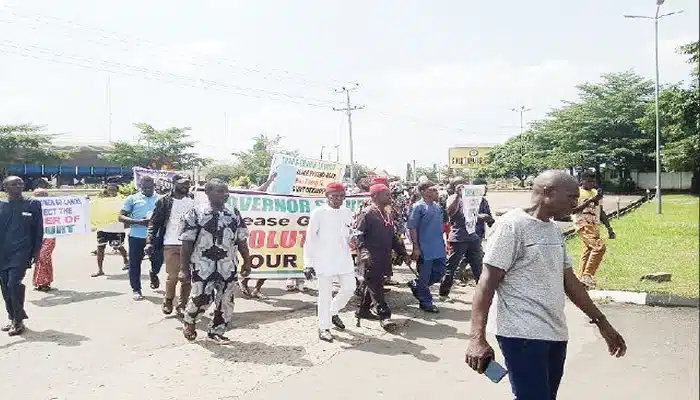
{"x": 429, "y": 273}
{"x": 535, "y": 367}
{"x": 136, "y": 254}
{"x": 471, "y": 250}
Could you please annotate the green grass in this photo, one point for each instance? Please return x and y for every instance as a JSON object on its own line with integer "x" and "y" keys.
{"x": 647, "y": 243}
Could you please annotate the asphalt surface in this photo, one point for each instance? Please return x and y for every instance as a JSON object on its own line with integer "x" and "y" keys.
{"x": 88, "y": 339}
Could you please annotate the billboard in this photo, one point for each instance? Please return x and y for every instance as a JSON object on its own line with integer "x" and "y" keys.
{"x": 472, "y": 157}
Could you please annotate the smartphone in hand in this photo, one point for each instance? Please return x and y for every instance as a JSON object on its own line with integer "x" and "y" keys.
{"x": 495, "y": 372}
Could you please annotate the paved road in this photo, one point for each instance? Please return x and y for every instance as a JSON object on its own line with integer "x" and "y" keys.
{"x": 89, "y": 340}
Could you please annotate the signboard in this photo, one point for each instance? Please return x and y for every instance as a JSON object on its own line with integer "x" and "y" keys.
{"x": 468, "y": 157}
{"x": 65, "y": 215}
{"x": 163, "y": 179}
{"x": 303, "y": 176}
{"x": 277, "y": 226}
{"x": 471, "y": 200}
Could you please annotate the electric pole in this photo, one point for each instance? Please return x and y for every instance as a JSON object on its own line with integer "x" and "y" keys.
{"x": 349, "y": 108}
{"x": 337, "y": 153}
{"x": 109, "y": 109}
{"x": 521, "y": 110}
{"x": 322, "y": 148}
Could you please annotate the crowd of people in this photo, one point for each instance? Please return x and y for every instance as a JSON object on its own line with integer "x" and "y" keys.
{"x": 525, "y": 261}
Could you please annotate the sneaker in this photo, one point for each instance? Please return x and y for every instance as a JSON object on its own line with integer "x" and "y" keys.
{"x": 430, "y": 309}
{"x": 446, "y": 299}
{"x": 414, "y": 290}
{"x": 325, "y": 335}
{"x": 219, "y": 339}
{"x": 137, "y": 296}
{"x": 16, "y": 329}
{"x": 155, "y": 282}
{"x": 338, "y": 322}
{"x": 6, "y": 328}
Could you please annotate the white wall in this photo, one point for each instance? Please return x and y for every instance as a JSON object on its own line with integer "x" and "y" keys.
{"x": 669, "y": 180}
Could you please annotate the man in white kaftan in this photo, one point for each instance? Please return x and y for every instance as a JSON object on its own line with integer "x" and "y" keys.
{"x": 327, "y": 255}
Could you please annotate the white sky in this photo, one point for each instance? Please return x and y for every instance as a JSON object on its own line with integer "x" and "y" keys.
{"x": 432, "y": 73}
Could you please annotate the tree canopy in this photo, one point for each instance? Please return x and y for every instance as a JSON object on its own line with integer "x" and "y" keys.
{"x": 26, "y": 143}
{"x": 170, "y": 148}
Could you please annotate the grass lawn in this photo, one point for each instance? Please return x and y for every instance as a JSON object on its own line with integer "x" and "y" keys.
{"x": 647, "y": 243}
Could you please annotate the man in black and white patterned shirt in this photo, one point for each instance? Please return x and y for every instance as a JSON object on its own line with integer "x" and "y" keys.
{"x": 211, "y": 235}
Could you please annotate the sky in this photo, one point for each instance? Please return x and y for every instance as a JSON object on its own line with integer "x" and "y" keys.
{"x": 431, "y": 74}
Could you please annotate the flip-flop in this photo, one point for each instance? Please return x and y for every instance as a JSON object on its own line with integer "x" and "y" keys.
{"x": 96, "y": 274}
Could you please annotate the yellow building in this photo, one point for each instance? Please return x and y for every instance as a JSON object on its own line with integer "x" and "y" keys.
{"x": 471, "y": 157}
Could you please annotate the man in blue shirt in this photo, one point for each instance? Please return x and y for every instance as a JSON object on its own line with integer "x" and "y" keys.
{"x": 136, "y": 212}
{"x": 425, "y": 227}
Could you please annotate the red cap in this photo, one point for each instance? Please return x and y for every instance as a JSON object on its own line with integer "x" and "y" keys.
{"x": 380, "y": 180}
{"x": 335, "y": 187}
{"x": 378, "y": 187}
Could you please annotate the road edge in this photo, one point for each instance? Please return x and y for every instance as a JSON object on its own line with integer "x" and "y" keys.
{"x": 644, "y": 299}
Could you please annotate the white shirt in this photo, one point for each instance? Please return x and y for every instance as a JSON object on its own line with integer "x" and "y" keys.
{"x": 174, "y": 225}
{"x": 327, "y": 246}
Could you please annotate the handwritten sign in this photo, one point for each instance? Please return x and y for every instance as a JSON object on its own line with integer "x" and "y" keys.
{"x": 66, "y": 215}
{"x": 471, "y": 200}
{"x": 303, "y": 176}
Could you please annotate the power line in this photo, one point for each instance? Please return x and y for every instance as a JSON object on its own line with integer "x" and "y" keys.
{"x": 142, "y": 42}
{"x": 147, "y": 73}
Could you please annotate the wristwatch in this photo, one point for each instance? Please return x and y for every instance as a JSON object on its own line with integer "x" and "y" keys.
{"x": 597, "y": 320}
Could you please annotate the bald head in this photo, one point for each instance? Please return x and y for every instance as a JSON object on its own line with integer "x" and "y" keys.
{"x": 555, "y": 193}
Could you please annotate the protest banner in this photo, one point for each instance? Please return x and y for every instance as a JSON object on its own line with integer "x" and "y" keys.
{"x": 163, "y": 179}
{"x": 66, "y": 215}
{"x": 303, "y": 176}
{"x": 471, "y": 200}
{"x": 277, "y": 225}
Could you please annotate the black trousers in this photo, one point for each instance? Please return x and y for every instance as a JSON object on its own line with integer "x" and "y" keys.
{"x": 13, "y": 292}
{"x": 373, "y": 294}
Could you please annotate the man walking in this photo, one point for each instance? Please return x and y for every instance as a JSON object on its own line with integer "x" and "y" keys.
{"x": 136, "y": 212}
{"x": 20, "y": 243}
{"x": 527, "y": 264}
{"x": 327, "y": 255}
{"x": 211, "y": 235}
{"x": 464, "y": 239}
{"x": 587, "y": 217}
{"x": 164, "y": 236}
{"x": 425, "y": 227}
{"x": 375, "y": 238}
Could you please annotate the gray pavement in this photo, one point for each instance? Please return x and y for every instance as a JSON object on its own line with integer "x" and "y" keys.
{"x": 88, "y": 339}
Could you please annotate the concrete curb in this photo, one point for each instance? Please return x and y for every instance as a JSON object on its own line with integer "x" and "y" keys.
{"x": 645, "y": 299}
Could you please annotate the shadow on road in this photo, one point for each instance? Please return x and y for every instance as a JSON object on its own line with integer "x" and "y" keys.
{"x": 49, "y": 336}
{"x": 258, "y": 353}
{"x": 415, "y": 329}
{"x": 61, "y": 297}
{"x": 378, "y": 345}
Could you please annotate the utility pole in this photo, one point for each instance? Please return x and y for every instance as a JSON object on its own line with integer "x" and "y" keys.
{"x": 349, "y": 108}
{"x": 109, "y": 109}
{"x": 322, "y": 148}
{"x": 656, "y": 19}
{"x": 226, "y": 128}
{"x": 337, "y": 153}
{"x": 522, "y": 110}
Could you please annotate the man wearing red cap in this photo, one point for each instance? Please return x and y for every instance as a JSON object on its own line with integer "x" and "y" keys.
{"x": 375, "y": 238}
{"x": 327, "y": 255}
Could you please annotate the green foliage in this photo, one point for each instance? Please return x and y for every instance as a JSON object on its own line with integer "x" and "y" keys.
{"x": 127, "y": 190}
{"x": 255, "y": 163}
{"x": 26, "y": 143}
{"x": 623, "y": 187}
{"x": 241, "y": 181}
{"x": 360, "y": 170}
{"x": 169, "y": 148}
{"x": 431, "y": 173}
{"x": 225, "y": 172}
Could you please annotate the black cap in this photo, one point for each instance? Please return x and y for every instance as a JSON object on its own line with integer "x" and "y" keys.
{"x": 177, "y": 178}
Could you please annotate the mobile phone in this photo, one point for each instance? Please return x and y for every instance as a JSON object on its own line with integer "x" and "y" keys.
{"x": 495, "y": 372}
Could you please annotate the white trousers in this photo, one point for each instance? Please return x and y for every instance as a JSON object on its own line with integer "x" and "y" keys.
{"x": 328, "y": 305}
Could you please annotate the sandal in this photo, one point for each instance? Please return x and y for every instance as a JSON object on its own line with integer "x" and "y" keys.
{"x": 96, "y": 274}
{"x": 245, "y": 291}
{"x": 189, "y": 331}
{"x": 16, "y": 329}
{"x": 6, "y": 328}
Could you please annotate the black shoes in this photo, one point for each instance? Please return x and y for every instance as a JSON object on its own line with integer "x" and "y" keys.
{"x": 430, "y": 309}
{"x": 338, "y": 322}
{"x": 155, "y": 282}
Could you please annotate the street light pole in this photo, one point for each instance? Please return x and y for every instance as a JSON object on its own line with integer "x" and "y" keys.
{"x": 322, "y": 148}
{"x": 521, "y": 110}
{"x": 349, "y": 108}
{"x": 656, "y": 19}
{"x": 337, "y": 153}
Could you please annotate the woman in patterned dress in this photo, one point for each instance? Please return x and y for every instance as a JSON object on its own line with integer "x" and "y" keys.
{"x": 43, "y": 267}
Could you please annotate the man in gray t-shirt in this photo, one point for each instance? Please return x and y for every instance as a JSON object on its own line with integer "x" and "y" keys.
{"x": 527, "y": 264}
